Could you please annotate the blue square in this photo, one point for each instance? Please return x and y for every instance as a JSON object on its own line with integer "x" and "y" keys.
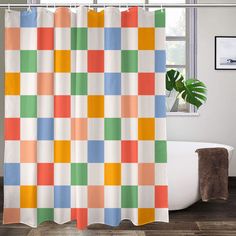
{"x": 160, "y": 61}
{"x": 28, "y": 18}
{"x": 62, "y": 196}
{"x": 112, "y": 38}
{"x": 112, "y": 216}
{"x": 95, "y": 151}
{"x": 45, "y": 128}
{"x": 160, "y": 106}
{"x": 112, "y": 83}
{"x": 12, "y": 174}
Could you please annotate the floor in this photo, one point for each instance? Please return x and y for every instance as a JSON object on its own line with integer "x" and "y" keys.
{"x": 202, "y": 219}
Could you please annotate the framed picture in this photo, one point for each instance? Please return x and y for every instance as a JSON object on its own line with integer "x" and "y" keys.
{"x": 225, "y": 52}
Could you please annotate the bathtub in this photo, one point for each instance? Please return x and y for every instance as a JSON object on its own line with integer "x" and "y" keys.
{"x": 183, "y": 172}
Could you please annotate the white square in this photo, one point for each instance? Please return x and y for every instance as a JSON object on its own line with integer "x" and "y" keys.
{"x": 28, "y": 174}
{"x": 146, "y": 106}
{"x": 160, "y": 84}
{"x": 62, "y": 174}
{"x": 12, "y": 151}
{"x": 95, "y": 38}
{"x": 12, "y": 106}
{"x": 146, "y": 197}
{"x": 79, "y": 61}
{"x": 113, "y": 60}
{"x": 160, "y": 39}
{"x": 12, "y": 61}
{"x": 62, "y": 129}
{"x": 45, "y": 18}
{"x": 12, "y": 19}
{"x": 129, "y": 174}
{"x": 45, "y": 61}
{"x": 95, "y": 174}
{"x": 79, "y": 106}
{"x": 112, "y": 196}
{"x": 28, "y": 38}
{"x": 129, "y": 128}
{"x": 11, "y": 196}
{"x": 28, "y": 83}
{"x": 47, "y": 153}
{"x": 130, "y": 214}
{"x": 79, "y": 151}
{"x": 62, "y": 84}
{"x": 45, "y": 106}
{"x": 161, "y": 174}
{"x": 129, "y": 83}
{"x": 160, "y": 128}
{"x": 146, "y": 151}
{"x": 95, "y": 128}
{"x": 62, "y": 215}
{"x": 146, "y": 18}
{"x": 95, "y": 83}
{"x": 28, "y": 216}
{"x": 62, "y": 38}
{"x": 146, "y": 61}
{"x": 79, "y": 197}
{"x": 95, "y": 215}
{"x": 129, "y": 38}
{"x": 28, "y": 128}
{"x": 112, "y": 151}
{"x": 112, "y": 17}
{"x": 81, "y": 16}
{"x": 45, "y": 196}
{"x": 112, "y": 106}
{"x": 162, "y": 214}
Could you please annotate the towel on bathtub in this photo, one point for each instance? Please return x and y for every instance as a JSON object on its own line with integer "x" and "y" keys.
{"x": 213, "y": 173}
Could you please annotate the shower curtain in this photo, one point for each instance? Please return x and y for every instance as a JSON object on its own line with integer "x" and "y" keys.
{"x": 85, "y": 119}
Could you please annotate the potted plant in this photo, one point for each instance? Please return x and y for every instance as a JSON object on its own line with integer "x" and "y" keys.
{"x": 192, "y": 91}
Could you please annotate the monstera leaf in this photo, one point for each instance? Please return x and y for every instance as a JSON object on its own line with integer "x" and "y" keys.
{"x": 173, "y": 77}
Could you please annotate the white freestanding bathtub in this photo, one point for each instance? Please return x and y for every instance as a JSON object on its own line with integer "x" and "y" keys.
{"x": 183, "y": 172}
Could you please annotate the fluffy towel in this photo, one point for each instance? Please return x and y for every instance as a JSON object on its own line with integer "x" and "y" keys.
{"x": 213, "y": 173}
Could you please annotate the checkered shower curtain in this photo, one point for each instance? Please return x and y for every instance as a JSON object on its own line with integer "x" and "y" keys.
{"x": 85, "y": 119}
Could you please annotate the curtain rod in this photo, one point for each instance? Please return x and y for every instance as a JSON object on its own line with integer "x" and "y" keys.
{"x": 102, "y": 5}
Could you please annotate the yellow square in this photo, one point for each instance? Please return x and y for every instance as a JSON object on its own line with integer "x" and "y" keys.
{"x": 96, "y": 19}
{"x": 12, "y": 83}
{"x": 96, "y": 106}
{"x": 146, "y": 39}
{"x": 62, "y": 61}
{"x": 62, "y": 151}
{"x": 28, "y": 196}
{"x": 146, "y": 128}
{"x": 146, "y": 215}
{"x": 112, "y": 174}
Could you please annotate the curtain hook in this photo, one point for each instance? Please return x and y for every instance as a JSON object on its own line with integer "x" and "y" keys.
{"x": 89, "y": 7}
{"x": 54, "y": 6}
{"x": 29, "y": 8}
{"x": 161, "y": 8}
{"x": 104, "y": 6}
{"x": 144, "y": 6}
{"x": 9, "y": 8}
{"x": 127, "y": 7}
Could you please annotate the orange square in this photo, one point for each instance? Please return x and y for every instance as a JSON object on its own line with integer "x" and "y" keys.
{"x": 12, "y": 38}
{"x": 146, "y": 215}
{"x": 62, "y": 151}
{"x": 96, "y": 106}
{"x": 28, "y": 151}
{"x": 146, "y": 39}
{"x": 12, "y": 83}
{"x": 95, "y": 19}
{"x": 11, "y": 215}
{"x": 129, "y": 106}
{"x": 28, "y": 196}
{"x": 62, "y": 61}
{"x": 95, "y": 196}
{"x": 146, "y": 174}
{"x": 112, "y": 173}
{"x": 146, "y": 128}
{"x": 45, "y": 83}
{"x": 78, "y": 128}
{"x": 62, "y": 17}
{"x": 161, "y": 196}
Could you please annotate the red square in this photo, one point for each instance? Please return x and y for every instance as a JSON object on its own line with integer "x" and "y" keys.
{"x": 161, "y": 196}
{"x": 96, "y": 61}
{"x": 45, "y": 38}
{"x": 129, "y": 151}
{"x": 81, "y": 216}
{"x": 62, "y": 106}
{"x": 12, "y": 128}
{"x": 129, "y": 18}
{"x": 146, "y": 83}
{"x": 45, "y": 174}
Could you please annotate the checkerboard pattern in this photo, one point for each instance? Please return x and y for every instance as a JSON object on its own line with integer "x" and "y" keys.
{"x": 85, "y": 119}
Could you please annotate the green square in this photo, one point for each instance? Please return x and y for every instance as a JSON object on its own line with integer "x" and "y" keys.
{"x": 129, "y": 196}
{"x": 79, "y": 39}
{"x": 28, "y": 106}
{"x": 129, "y": 61}
{"x": 160, "y": 18}
{"x": 79, "y": 173}
{"x": 112, "y": 128}
{"x": 45, "y": 214}
{"x": 28, "y": 61}
{"x": 160, "y": 151}
{"x": 79, "y": 83}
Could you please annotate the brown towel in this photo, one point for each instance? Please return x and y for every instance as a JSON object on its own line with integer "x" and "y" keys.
{"x": 213, "y": 173}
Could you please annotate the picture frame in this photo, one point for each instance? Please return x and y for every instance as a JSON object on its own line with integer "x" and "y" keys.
{"x": 225, "y": 52}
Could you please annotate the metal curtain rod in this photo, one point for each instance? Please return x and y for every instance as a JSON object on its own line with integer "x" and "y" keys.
{"x": 102, "y": 5}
